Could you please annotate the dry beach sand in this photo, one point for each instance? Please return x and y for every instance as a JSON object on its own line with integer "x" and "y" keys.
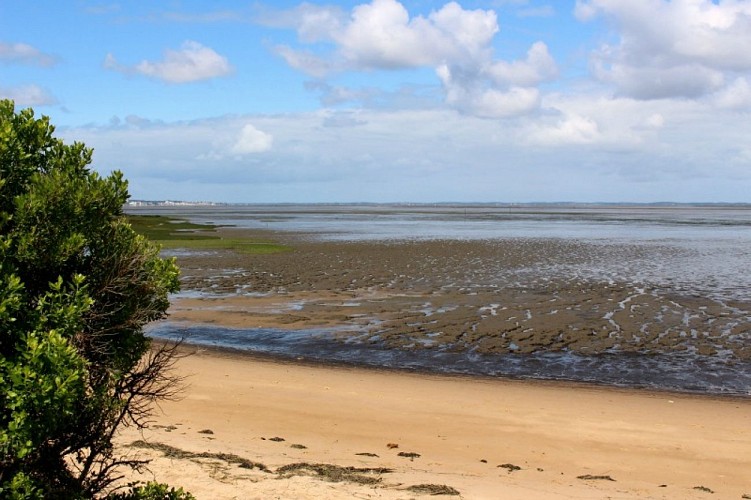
{"x": 240, "y": 415}
{"x": 251, "y": 427}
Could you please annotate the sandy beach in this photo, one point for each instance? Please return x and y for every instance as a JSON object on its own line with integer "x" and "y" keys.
{"x": 258, "y": 428}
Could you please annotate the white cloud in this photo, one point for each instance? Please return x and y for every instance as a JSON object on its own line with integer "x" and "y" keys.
{"x": 654, "y": 121}
{"x": 22, "y": 53}
{"x": 680, "y": 48}
{"x": 305, "y": 61}
{"x": 571, "y": 129}
{"x": 472, "y": 96}
{"x": 316, "y": 23}
{"x": 313, "y": 22}
{"x": 252, "y": 140}
{"x": 685, "y": 81}
{"x": 193, "y": 62}
{"x": 381, "y": 35}
{"x": 595, "y": 148}
{"x": 538, "y": 67}
{"x": 28, "y": 95}
{"x": 597, "y": 120}
{"x": 498, "y": 89}
{"x": 737, "y": 95}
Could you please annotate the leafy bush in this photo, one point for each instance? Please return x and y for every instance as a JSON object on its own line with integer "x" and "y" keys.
{"x": 153, "y": 491}
{"x": 77, "y": 285}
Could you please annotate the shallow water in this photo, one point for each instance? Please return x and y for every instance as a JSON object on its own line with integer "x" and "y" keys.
{"x": 703, "y": 252}
{"x": 674, "y": 372}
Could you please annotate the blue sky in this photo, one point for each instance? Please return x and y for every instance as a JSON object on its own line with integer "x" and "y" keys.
{"x": 396, "y": 101}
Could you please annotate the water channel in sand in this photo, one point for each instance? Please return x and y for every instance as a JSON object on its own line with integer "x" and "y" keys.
{"x": 640, "y": 296}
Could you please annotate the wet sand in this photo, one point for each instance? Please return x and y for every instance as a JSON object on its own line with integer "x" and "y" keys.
{"x": 254, "y": 428}
{"x": 498, "y": 296}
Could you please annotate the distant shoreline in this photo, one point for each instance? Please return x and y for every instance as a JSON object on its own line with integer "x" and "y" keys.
{"x": 562, "y": 204}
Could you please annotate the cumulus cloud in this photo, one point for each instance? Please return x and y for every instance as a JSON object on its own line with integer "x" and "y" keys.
{"x": 251, "y": 140}
{"x": 680, "y": 48}
{"x": 381, "y": 35}
{"x": 193, "y": 62}
{"x": 538, "y": 67}
{"x": 28, "y": 95}
{"x": 22, "y": 53}
{"x": 472, "y": 96}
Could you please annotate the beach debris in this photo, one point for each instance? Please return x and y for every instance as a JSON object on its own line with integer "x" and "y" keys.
{"x": 366, "y": 454}
{"x": 433, "y": 489}
{"x": 510, "y": 467}
{"x": 703, "y": 488}
{"x": 277, "y": 439}
{"x": 409, "y": 454}
{"x": 392, "y": 446}
{"x": 334, "y": 473}
{"x": 590, "y": 477}
{"x": 746, "y": 496}
{"x": 482, "y": 460}
{"x": 298, "y": 446}
{"x": 172, "y": 452}
{"x": 206, "y": 431}
{"x": 167, "y": 428}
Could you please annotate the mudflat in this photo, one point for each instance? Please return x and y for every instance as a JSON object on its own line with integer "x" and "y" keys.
{"x": 494, "y": 296}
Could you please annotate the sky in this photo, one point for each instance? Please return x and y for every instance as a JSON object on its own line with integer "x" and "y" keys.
{"x": 395, "y": 101}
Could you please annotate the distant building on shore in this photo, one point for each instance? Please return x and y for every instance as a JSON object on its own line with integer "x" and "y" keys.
{"x": 169, "y": 203}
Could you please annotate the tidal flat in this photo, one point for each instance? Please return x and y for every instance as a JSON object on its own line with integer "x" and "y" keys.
{"x": 529, "y": 307}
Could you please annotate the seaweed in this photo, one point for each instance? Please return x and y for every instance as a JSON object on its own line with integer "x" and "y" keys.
{"x": 172, "y": 452}
{"x": 510, "y": 467}
{"x": 590, "y": 477}
{"x": 433, "y": 489}
{"x": 334, "y": 473}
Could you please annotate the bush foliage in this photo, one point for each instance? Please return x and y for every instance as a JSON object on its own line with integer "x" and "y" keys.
{"x": 77, "y": 286}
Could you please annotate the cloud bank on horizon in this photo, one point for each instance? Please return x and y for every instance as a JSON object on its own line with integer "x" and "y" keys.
{"x": 388, "y": 100}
